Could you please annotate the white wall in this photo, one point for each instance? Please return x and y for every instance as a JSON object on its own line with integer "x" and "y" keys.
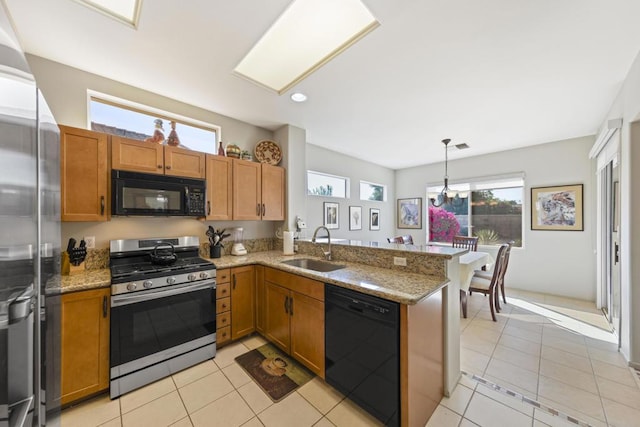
{"x": 65, "y": 89}
{"x": 627, "y": 107}
{"x": 554, "y": 262}
{"x": 322, "y": 160}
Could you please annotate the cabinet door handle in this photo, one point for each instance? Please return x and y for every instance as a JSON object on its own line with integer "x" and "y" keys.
{"x": 286, "y": 305}
{"x": 291, "y": 306}
{"x": 104, "y": 306}
{"x": 168, "y": 167}
{"x": 101, "y": 205}
{"x": 208, "y": 207}
{"x": 159, "y": 166}
{"x": 258, "y": 209}
{"x": 234, "y": 281}
{"x": 263, "y": 209}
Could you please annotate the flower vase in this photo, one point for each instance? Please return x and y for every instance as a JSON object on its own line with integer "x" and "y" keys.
{"x": 215, "y": 251}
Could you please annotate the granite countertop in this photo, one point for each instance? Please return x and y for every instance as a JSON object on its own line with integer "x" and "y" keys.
{"x": 438, "y": 250}
{"x": 86, "y": 280}
{"x": 405, "y": 288}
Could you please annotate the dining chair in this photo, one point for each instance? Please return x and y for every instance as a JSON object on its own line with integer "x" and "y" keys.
{"x": 406, "y": 239}
{"x": 470, "y": 243}
{"x": 487, "y": 274}
{"x": 488, "y": 287}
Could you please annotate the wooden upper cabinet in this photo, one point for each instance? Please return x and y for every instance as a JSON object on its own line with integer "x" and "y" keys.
{"x": 139, "y": 156}
{"x": 84, "y": 343}
{"x": 258, "y": 191}
{"x": 84, "y": 175}
{"x": 182, "y": 162}
{"x": 219, "y": 188}
{"x": 273, "y": 193}
{"x": 247, "y": 192}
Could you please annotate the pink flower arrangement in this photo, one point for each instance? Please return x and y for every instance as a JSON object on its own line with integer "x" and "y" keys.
{"x": 443, "y": 225}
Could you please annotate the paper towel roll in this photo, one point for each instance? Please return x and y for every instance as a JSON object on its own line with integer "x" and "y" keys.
{"x": 287, "y": 243}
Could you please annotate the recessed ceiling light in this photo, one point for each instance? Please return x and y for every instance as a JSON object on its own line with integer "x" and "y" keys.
{"x": 306, "y": 36}
{"x": 298, "y": 97}
{"x": 126, "y": 11}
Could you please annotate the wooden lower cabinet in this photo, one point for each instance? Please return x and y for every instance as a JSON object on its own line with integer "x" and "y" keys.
{"x": 277, "y": 316}
{"x": 260, "y": 300}
{"x": 307, "y": 331}
{"x": 84, "y": 344}
{"x": 243, "y": 301}
{"x": 293, "y": 320}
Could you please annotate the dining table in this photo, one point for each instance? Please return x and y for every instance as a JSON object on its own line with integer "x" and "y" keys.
{"x": 469, "y": 262}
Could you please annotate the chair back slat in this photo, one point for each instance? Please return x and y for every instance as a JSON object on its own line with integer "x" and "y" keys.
{"x": 407, "y": 239}
{"x": 470, "y": 243}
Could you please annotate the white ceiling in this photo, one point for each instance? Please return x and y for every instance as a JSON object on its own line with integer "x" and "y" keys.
{"x": 496, "y": 74}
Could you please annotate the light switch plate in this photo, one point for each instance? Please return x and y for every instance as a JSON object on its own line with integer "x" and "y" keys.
{"x": 399, "y": 261}
{"x": 90, "y": 241}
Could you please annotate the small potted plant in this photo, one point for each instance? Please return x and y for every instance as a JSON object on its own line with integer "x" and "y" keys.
{"x": 215, "y": 241}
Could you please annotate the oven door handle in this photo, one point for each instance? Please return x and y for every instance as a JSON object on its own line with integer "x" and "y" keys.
{"x": 126, "y": 299}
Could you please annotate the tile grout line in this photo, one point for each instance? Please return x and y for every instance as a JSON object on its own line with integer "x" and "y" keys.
{"x": 527, "y": 400}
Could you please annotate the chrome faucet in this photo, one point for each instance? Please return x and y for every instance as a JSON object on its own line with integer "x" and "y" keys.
{"x": 327, "y": 254}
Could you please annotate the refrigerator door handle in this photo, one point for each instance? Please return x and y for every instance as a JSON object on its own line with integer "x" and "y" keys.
{"x": 19, "y": 412}
{"x": 22, "y": 306}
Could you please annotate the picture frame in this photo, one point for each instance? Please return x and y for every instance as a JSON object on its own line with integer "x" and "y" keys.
{"x": 331, "y": 215}
{"x": 355, "y": 218}
{"x": 409, "y": 214}
{"x": 374, "y": 219}
{"x": 558, "y": 208}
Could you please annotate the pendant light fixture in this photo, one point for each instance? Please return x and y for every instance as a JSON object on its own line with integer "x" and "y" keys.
{"x": 446, "y": 196}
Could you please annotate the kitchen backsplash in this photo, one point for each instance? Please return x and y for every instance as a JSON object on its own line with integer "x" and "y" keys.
{"x": 417, "y": 262}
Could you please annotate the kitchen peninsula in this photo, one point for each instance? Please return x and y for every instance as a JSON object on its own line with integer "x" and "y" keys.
{"x": 421, "y": 288}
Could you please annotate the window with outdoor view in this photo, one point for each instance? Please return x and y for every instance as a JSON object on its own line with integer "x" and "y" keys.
{"x": 371, "y": 191}
{"x": 322, "y": 184}
{"x": 130, "y": 120}
{"x": 490, "y": 210}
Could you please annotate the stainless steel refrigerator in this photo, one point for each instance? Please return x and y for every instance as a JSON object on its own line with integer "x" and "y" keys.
{"x": 29, "y": 243}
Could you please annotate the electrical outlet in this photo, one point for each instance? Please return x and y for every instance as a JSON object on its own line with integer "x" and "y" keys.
{"x": 90, "y": 241}
{"x": 301, "y": 224}
{"x": 399, "y": 261}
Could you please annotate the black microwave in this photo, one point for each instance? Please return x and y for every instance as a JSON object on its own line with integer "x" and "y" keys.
{"x": 143, "y": 194}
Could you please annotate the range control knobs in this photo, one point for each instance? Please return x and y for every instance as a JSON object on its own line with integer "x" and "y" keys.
{"x": 204, "y": 275}
{"x": 132, "y": 287}
{"x": 147, "y": 284}
{"x": 171, "y": 280}
{"x": 192, "y": 276}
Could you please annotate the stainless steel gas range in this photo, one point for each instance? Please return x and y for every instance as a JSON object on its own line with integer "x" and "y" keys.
{"x": 163, "y": 310}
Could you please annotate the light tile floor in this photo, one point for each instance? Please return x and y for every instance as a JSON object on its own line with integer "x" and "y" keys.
{"x": 556, "y": 351}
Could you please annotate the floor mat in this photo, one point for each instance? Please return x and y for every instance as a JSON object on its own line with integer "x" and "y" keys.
{"x": 275, "y": 373}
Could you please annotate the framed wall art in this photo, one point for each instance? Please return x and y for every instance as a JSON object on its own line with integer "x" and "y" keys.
{"x": 557, "y": 208}
{"x": 409, "y": 213}
{"x": 374, "y": 219}
{"x": 331, "y": 215}
{"x": 355, "y": 217}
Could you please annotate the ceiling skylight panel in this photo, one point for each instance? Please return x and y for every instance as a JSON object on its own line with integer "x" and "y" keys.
{"x": 306, "y": 36}
{"x": 126, "y": 11}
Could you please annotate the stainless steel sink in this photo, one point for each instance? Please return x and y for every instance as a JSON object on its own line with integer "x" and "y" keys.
{"x": 313, "y": 264}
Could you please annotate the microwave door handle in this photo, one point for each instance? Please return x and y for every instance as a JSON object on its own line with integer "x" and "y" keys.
{"x": 187, "y": 200}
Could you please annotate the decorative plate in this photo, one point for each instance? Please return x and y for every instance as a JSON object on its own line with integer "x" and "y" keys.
{"x": 268, "y": 152}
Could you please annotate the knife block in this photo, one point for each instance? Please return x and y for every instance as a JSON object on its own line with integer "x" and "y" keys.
{"x": 67, "y": 269}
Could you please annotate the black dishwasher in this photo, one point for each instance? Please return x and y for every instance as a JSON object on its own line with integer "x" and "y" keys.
{"x": 362, "y": 346}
